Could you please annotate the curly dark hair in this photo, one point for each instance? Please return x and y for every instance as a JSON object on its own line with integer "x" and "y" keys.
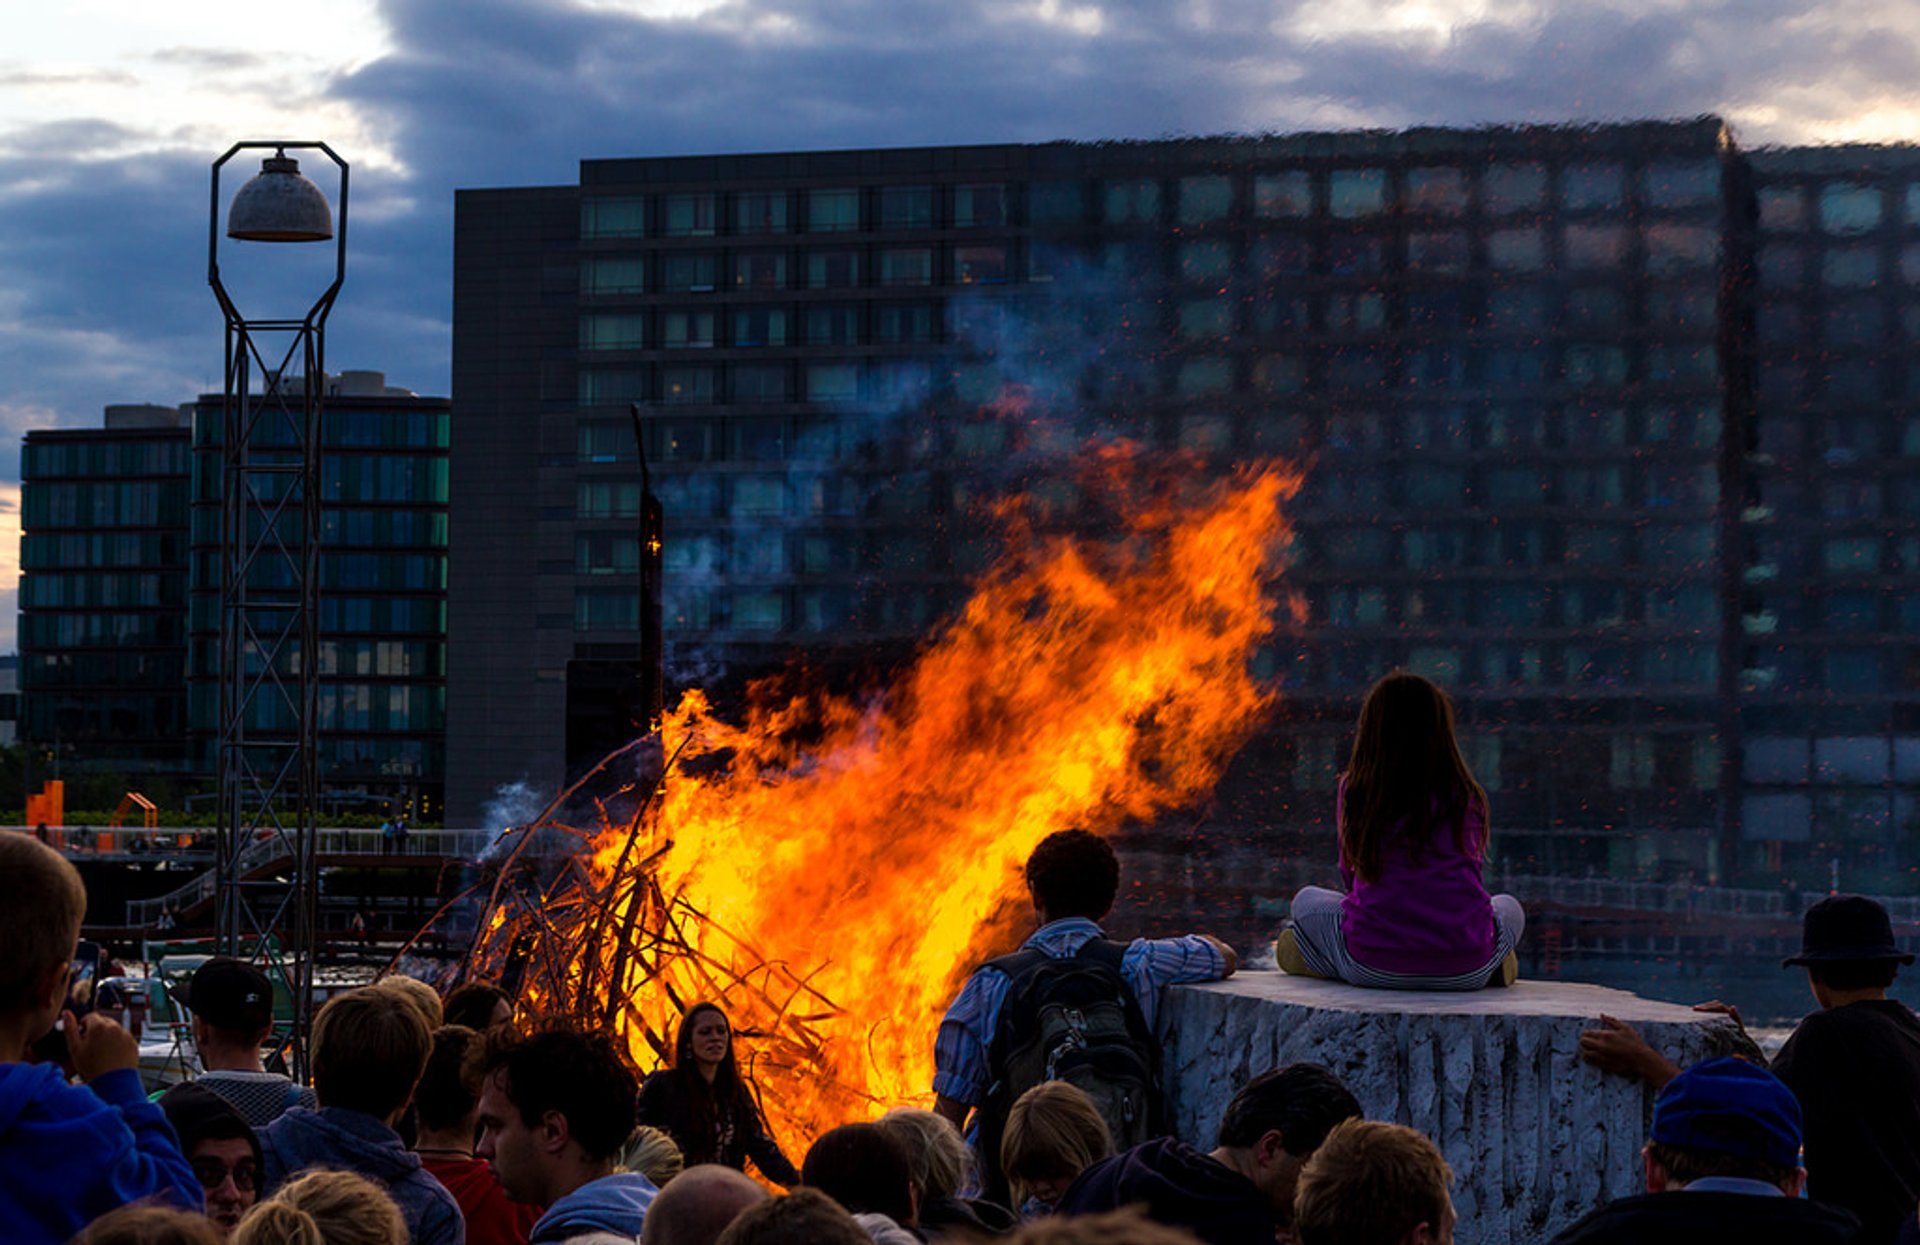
{"x": 472, "y": 1005}
{"x": 580, "y": 1075}
{"x": 448, "y": 1090}
{"x": 1074, "y": 873}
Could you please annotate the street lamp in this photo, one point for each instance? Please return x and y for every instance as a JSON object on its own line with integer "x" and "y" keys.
{"x": 269, "y": 439}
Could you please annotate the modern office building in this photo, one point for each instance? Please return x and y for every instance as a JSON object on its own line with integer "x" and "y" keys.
{"x": 1516, "y": 358}
{"x": 1830, "y": 519}
{"x": 383, "y": 608}
{"x": 103, "y": 595}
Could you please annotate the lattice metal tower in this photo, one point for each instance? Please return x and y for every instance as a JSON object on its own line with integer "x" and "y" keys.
{"x": 270, "y": 448}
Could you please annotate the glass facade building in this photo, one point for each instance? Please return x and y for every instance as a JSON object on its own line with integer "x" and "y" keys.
{"x": 383, "y": 606}
{"x": 1567, "y": 430}
{"x": 103, "y": 593}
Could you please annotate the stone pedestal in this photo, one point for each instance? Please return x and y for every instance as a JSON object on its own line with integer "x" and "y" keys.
{"x": 1535, "y": 1137}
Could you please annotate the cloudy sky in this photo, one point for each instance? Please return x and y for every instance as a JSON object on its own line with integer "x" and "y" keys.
{"x": 111, "y": 111}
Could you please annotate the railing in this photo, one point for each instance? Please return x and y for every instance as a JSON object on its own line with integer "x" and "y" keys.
{"x": 461, "y": 844}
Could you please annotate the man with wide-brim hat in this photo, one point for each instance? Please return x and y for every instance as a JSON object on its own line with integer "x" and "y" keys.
{"x": 1855, "y": 1067}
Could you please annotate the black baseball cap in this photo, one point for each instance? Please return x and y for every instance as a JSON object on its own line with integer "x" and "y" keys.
{"x": 1847, "y": 928}
{"x": 230, "y": 994}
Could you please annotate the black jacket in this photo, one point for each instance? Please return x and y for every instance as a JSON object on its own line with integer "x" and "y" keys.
{"x": 731, "y": 1140}
{"x": 1180, "y": 1187}
{"x": 1682, "y": 1218}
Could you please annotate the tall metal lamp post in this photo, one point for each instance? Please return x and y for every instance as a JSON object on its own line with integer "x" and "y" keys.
{"x": 267, "y": 884}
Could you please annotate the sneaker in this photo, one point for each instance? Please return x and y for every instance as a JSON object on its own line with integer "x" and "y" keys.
{"x": 1286, "y": 953}
{"x": 1508, "y": 972}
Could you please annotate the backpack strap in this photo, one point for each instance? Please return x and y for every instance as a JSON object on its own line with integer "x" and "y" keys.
{"x": 1103, "y": 951}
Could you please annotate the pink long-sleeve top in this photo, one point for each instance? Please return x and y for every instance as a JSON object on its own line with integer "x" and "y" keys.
{"x": 1431, "y": 919}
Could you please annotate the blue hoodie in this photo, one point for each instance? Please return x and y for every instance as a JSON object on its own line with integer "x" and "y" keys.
{"x": 615, "y": 1204}
{"x": 69, "y": 1154}
{"x": 348, "y": 1140}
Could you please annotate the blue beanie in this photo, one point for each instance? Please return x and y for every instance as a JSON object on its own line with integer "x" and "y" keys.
{"x": 1730, "y": 1106}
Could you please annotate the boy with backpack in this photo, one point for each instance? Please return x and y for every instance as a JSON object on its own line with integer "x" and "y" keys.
{"x": 1070, "y": 1005}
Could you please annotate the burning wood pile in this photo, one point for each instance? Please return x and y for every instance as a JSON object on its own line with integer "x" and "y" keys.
{"x": 829, "y": 869}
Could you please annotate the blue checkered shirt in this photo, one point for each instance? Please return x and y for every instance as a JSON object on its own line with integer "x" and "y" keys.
{"x": 960, "y": 1069}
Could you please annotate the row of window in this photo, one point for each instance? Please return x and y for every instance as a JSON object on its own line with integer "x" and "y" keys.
{"x": 1690, "y": 606}
{"x": 91, "y": 589}
{"x": 1832, "y": 669}
{"x": 340, "y": 428}
{"x": 1785, "y": 267}
{"x": 1830, "y": 759}
{"x": 103, "y": 503}
{"x": 41, "y": 458}
{"x": 1841, "y": 208}
{"x": 163, "y": 674}
{"x": 1784, "y": 555}
{"x": 101, "y": 550}
{"x": 1500, "y": 188}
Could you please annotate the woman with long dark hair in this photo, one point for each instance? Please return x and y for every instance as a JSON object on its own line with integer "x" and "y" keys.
{"x": 704, "y": 1105}
{"x": 1413, "y": 840}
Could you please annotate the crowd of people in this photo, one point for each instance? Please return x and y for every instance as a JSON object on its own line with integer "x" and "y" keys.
{"x": 431, "y": 1121}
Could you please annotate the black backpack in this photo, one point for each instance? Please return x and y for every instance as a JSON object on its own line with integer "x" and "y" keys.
{"x": 1074, "y": 1020}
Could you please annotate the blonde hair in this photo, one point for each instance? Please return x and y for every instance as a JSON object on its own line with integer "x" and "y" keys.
{"x": 325, "y": 1208}
{"x": 1053, "y": 1130}
{"x": 423, "y": 997}
{"x": 1370, "y": 1183}
{"x": 652, "y": 1153}
{"x": 938, "y": 1159}
{"x": 40, "y": 921}
{"x": 1127, "y": 1226}
{"x": 149, "y": 1225}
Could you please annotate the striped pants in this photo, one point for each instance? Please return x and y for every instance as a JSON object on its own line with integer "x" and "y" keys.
{"x": 1316, "y": 923}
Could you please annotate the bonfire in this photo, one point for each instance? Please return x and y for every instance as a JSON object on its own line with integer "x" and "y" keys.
{"x": 829, "y": 869}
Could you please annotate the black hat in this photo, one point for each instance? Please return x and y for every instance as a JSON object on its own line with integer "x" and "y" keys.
{"x": 230, "y": 994}
{"x": 1843, "y": 928}
{"x": 198, "y": 1114}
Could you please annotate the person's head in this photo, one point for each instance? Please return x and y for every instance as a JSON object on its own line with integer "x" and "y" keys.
{"x": 938, "y": 1160}
{"x": 864, "y": 1169}
{"x": 1276, "y": 1122}
{"x": 368, "y": 1048}
{"x": 554, "y": 1110}
{"x": 1073, "y": 873}
{"x": 705, "y": 1037}
{"x": 148, "y": 1225}
{"x": 448, "y": 1095}
{"x": 1724, "y": 1117}
{"x": 1847, "y": 948}
{"x": 222, "y": 1149}
{"x": 232, "y": 1005}
{"x": 480, "y": 1006}
{"x": 1405, "y": 760}
{"x": 1371, "y": 1183}
{"x": 325, "y": 1208}
{"x": 653, "y": 1154}
{"x": 802, "y": 1217}
{"x": 1128, "y": 1226}
{"x": 39, "y": 930}
{"x": 697, "y": 1207}
{"x": 418, "y": 995}
{"x": 1053, "y": 1133}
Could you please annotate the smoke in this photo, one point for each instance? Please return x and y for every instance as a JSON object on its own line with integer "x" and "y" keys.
{"x": 513, "y": 804}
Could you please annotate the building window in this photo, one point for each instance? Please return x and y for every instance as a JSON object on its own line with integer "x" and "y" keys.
{"x": 613, "y": 332}
{"x": 760, "y": 382}
{"x": 688, "y": 215}
{"x": 1056, "y": 203}
{"x": 1509, "y": 188}
{"x": 833, "y": 270}
{"x": 760, "y": 270}
{"x": 603, "y": 386}
{"x": 833, "y": 324}
{"x": 1601, "y": 186}
{"x": 1282, "y": 255}
{"x": 833, "y": 211}
{"x": 1783, "y": 207}
{"x": 1437, "y": 252}
{"x": 833, "y": 382}
{"x": 685, "y": 385}
{"x": 906, "y": 265}
{"x": 1356, "y": 193}
{"x": 1282, "y": 196}
{"x": 981, "y": 206}
{"x": 1680, "y": 183}
{"x": 900, "y": 384}
{"x": 1209, "y": 261}
{"x": 1135, "y": 201}
{"x": 606, "y": 275}
{"x": 1517, "y": 250}
{"x": 1438, "y": 191}
{"x": 760, "y": 326}
{"x": 1204, "y": 318}
{"x": 1680, "y": 248}
{"x": 680, "y": 440}
{"x": 760, "y": 212}
{"x": 624, "y": 217}
{"x": 979, "y": 265}
{"x": 1848, "y": 210}
{"x": 1204, "y": 199}
{"x": 906, "y": 207}
{"x": 1204, "y": 376}
{"x": 688, "y": 273}
{"x": 903, "y": 322}
{"x": 1851, "y": 267}
{"x": 684, "y": 329}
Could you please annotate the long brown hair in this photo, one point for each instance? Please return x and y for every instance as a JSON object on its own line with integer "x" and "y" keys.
{"x": 1406, "y": 770}
{"x": 727, "y": 1100}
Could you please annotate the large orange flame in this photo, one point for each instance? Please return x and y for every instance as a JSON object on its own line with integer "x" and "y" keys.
{"x": 838, "y": 890}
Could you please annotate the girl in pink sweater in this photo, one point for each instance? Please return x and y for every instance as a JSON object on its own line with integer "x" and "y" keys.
{"x": 1413, "y": 838}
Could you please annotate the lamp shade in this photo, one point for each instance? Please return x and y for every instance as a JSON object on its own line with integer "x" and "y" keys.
{"x": 279, "y": 205}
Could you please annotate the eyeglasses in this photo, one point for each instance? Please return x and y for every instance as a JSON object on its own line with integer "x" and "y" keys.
{"x": 212, "y": 1173}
